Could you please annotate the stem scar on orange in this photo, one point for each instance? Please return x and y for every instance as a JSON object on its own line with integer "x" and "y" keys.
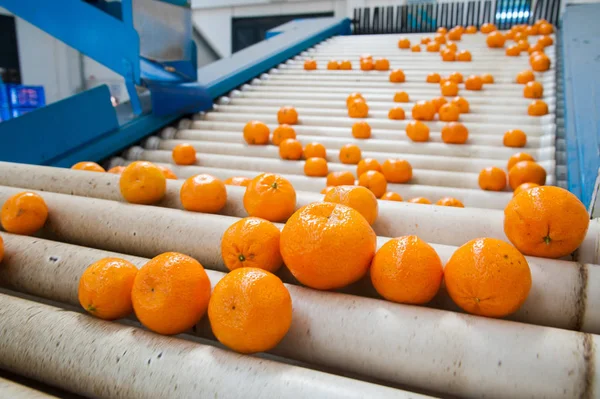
{"x": 271, "y": 197}
{"x": 143, "y": 183}
{"x": 356, "y": 197}
{"x": 24, "y": 213}
{"x": 203, "y": 193}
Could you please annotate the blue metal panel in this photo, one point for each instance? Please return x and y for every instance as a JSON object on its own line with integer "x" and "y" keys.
{"x": 581, "y": 47}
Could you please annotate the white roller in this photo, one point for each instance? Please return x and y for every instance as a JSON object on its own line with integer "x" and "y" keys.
{"x": 12, "y": 390}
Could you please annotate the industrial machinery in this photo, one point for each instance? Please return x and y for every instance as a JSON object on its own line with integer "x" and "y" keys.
{"x": 341, "y": 344}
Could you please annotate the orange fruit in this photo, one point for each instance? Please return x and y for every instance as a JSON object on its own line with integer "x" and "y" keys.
{"x": 290, "y": 149}
{"x": 487, "y": 78}
{"x": 513, "y": 51}
{"x": 168, "y": 173}
{"x": 327, "y": 246}
{"x": 492, "y": 179}
{"x": 24, "y": 213}
{"x": 456, "y": 77}
{"x": 358, "y": 109}
{"x": 382, "y": 64}
{"x": 525, "y": 77}
{"x": 310, "y": 65}
{"x": 471, "y": 29}
{"x": 352, "y": 97}
{"x": 403, "y": 43}
{"x": 546, "y": 221}
{"x": 350, "y": 154}
{"x": 185, "y": 154}
{"x": 1, "y": 249}
{"x": 366, "y": 164}
{"x": 452, "y": 46}
{"x": 250, "y": 310}
{"x": 419, "y": 200}
{"x": 488, "y": 28}
{"x": 401, "y": 97}
{"x": 523, "y": 45}
{"x": 416, "y": 48}
{"x": 488, "y": 277}
{"x": 356, "y": 197}
{"x": 473, "y": 82}
{"x": 442, "y": 30}
{"x": 438, "y": 102}
{"x": 495, "y": 39}
{"x": 361, "y": 130}
{"x": 88, "y": 166}
{"x": 346, "y": 65}
{"x": 397, "y": 113}
{"x": 519, "y": 36}
{"x": 270, "y": 196}
{"x": 342, "y": 178}
{"x": 203, "y": 193}
{"x": 170, "y": 293}
{"x": 539, "y": 62}
{"x": 142, "y": 183}
{"x": 526, "y": 172}
{"x": 425, "y": 40}
{"x": 256, "y": 132}
{"x": 237, "y": 181}
{"x": 327, "y": 189}
{"x": 545, "y": 29}
{"x": 333, "y": 65}
{"x": 449, "y": 201}
{"x": 423, "y": 110}
{"x": 510, "y": 35}
{"x": 440, "y": 38}
{"x": 287, "y": 116}
{"x": 283, "y": 132}
{"x": 251, "y": 242}
{"x": 374, "y": 181}
{"x": 433, "y": 78}
{"x": 105, "y": 288}
{"x": 366, "y": 64}
{"x": 464, "y": 56}
{"x": 537, "y": 108}
{"x": 316, "y": 167}
{"x": 462, "y": 104}
{"x": 518, "y": 157}
{"x": 515, "y": 138}
{"x": 407, "y": 270}
{"x": 449, "y": 88}
{"x": 315, "y": 150}
{"x": 117, "y": 170}
{"x": 532, "y": 30}
{"x": 396, "y": 170}
{"x": 448, "y": 55}
{"x": 533, "y": 89}
{"x": 545, "y": 41}
{"x": 455, "y": 133}
{"x": 397, "y": 76}
{"x": 417, "y": 131}
{"x": 391, "y": 196}
{"x": 433, "y": 47}
{"x": 366, "y": 56}
{"x": 524, "y": 187}
{"x": 449, "y": 113}
{"x": 535, "y": 50}
{"x": 454, "y": 34}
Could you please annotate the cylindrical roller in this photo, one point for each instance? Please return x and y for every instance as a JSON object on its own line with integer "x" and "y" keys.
{"x": 12, "y": 390}
{"x": 96, "y": 358}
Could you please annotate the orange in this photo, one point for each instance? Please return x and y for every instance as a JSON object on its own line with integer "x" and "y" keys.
{"x": 396, "y": 170}
{"x": 352, "y": 97}
{"x": 545, "y": 29}
{"x": 403, "y": 43}
{"x": 117, "y": 170}
{"x": 358, "y": 109}
{"x": 350, "y": 154}
{"x": 545, "y": 41}
{"x": 456, "y": 77}
{"x": 546, "y": 221}
{"x": 513, "y": 51}
{"x": 438, "y": 102}
{"x": 366, "y": 57}
{"x": 287, "y": 116}
{"x": 88, "y": 166}
{"x": 425, "y": 40}
{"x": 526, "y": 172}
{"x": 105, "y": 288}
{"x": 416, "y": 48}
{"x": 525, "y": 77}
{"x": 524, "y": 187}
{"x": 327, "y": 189}
{"x": 397, "y": 113}
{"x": 488, "y": 277}
{"x": 455, "y": 133}
{"x": 537, "y": 108}
{"x": 203, "y": 193}
{"x": 449, "y": 88}
{"x": 449, "y": 113}
{"x": 449, "y": 201}
{"x": 391, "y": 196}
{"x": 419, "y": 200}
{"x": 523, "y": 45}
{"x": 316, "y": 167}
{"x": 423, "y": 110}
{"x": 283, "y": 132}
{"x": 487, "y": 28}
{"x": 366, "y": 64}
{"x": 464, "y": 56}
{"x": 495, "y": 39}
{"x": 486, "y": 78}
{"x": 519, "y": 36}
{"x": 342, "y": 178}
{"x": 539, "y": 62}
{"x": 315, "y": 150}
{"x": 1, "y": 249}
{"x": 361, "y": 130}
{"x": 518, "y": 157}
{"x": 327, "y": 246}
{"x": 473, "y": 82}
{"x": 433, "y": 47}
{"x": 471, "y": 29}
{"x": 433, "y": 78}
{"x": 492, "y": 179}
{"x": 510, "y": 35}
{"x": 256, "y": 132}
{"x": 440, "y": 38}
{"x": 452, "y": 46}
{"x": 462, "y": 104}
{"x": 535, "y": 50}
{"x": 333, "y": 65}
{"x": 290, "y": 149}
{"x": 270, "y": 196}
{"x": 515, "y": 138}
{"x": 237, "y": 181}
{"x": 346, "y": 65}
{"x": 374, "y": 181}
{"x": 455, "y": 34}
{"x": 143, "y": 183}
{"x": 382, "y": 64}
{"x": 397, "y": 76}
{"x": 442, "y": 30}
{"x": 251, "y": 242}
{"x": 24, "y": 213}
{"x": 185, "y": 154}
{"x": 310, "y": 65}
{"x": 250, "y": 310}
{"x": 401, "y": 97}
{"x": 533, "y": 89}
{"x": 170, "y": 293}
{"x": 168, "y": 173}
{"x": 407, "y": 270}
{"x": 417, "y": 131}
{"x": 366, "y": 164}
{"x": 448, "y": 55}
{"x": 356, "y": 197}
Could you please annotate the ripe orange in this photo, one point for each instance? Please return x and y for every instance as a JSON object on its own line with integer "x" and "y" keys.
{"x": 350, "y": 154}
{"x": 366, "y": 57}
{"x": 442, "y": 30}
{"x": 415, "y": 48}
{"x": 524, "y": 187}
{"x": 545, "y": 41}
{"x": 397, "y": 170}
{"x": 546, "y": 221}
{"x": 449, "y": 113}
{"x": 361, "y": 130}
{"x": 396, "y": 113}
{"x": 117, "y": 170}
{"x": 449, "y": 201}
{"x": 419, "y": 200}
{"x": 519, "y": 36}
{"x": 358, "y": 109}
{"x": 1, "y": 249}
{"x": 382, "y": 64}
{"x": 526, "y": 172}
{"x": 256, "y": 132}
{"x": 327, "y": 189}
{"x": 532, "y": 30}
{"x": 237, "y": 181}
{"x": 449, "y": 88}
{"x": 185, "y": 154}
{"x": 203, "y": 193}
{"x": 545, "y": 29}
{"x": 391, "y": 196}
{"x": 448, "y": 55}
{"x": 433, "y": 47}
{"x": 462, "y": 104}
{"x": 401, "y": 97}
{"x": 168, "y": 173}
{"x": 455, "y": 133}
{"x": 539, "y": 62}
{"x": 327, "y": 246}
{"x": 354, "y": 96}
{"x": 250, "y": 310}
{"x": 523, "y": 45}
{"x": 488, "y": 277}
{"x": 456, "y": 77}
{"x": 452, "y": 46}
{"x": 518, "y": 157}
{"x": 492, "y": 179}
{"x": 495, "y": 39}
{"x": 471, "y": 29}
{"x": 397, "y": 76}
{"x": 366, "y": 164}
{"x": 281, "y": 133}
{"x": 290, "y": 149}
{"x": 316, "y": 167}
{"x": 440, "y": 38}
{"x": 423, "y": 111}
{"x": 24, "y": 213}
{"x": 356, "y": 197}
{"x": 142, "y": 183}
{"x": 417, "y": 131}
{"x": 105, "y": 288}
{"x": 525, "y": 77}
{"x": 455, "y": 34}
{"x": 403, "y": 43}
{"x": 287, "y": 116}
{"x": 251, "y": 242}
{"x": 88, "y": 166}
{"x": 488, "y": 28}
{"x": 270, "y": 196}
{"x": 333, "y": 65}
{"x": 315, "y": 150}
{"x": 310, "y": 65}
{"x": 515, "y": 138}
{"x": 537, "y": 108}
{"x": 513, "y": 51}
{"x": 374, "y": 181}
{"x": 464, "y": 56}
{"x": 533, "y": 89}
{"x": 407, "y": 270}
{"x": 170, "y": 293}
{"x": 346, "y": 65}
{"x": 433, "y": 78}
{"x": 341, "y": 178}
{"x": 473, "y": 82}
{"x": 425, "y": 40}
{"x": 366, "y": 64}
{"x": 438, "y": 102}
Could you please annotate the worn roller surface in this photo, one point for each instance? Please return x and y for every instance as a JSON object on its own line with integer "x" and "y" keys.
{"x": 12, "y": 390}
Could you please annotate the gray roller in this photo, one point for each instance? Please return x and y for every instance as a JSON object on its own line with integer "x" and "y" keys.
{"x": 12, "y": 390}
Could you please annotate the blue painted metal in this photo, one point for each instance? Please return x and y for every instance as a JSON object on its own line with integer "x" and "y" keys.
{"x": 581, "y": 57}
{"x": 21, "y": 96}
